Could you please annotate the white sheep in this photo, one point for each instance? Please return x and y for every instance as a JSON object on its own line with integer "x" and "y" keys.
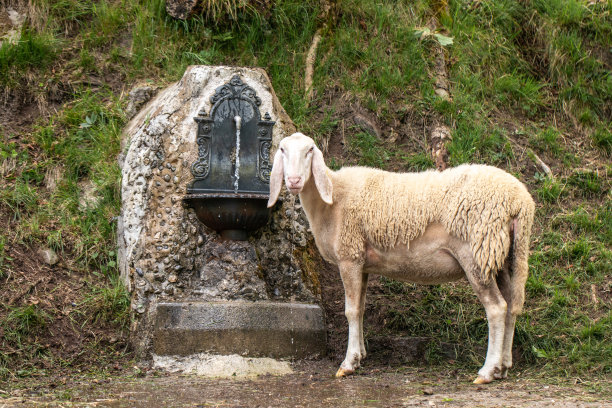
{"x": 431, "y": 227}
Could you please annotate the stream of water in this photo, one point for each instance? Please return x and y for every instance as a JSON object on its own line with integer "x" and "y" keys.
{"x": 238, "y": 121}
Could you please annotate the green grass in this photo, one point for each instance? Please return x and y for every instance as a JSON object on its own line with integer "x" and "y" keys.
{"x": 418, "y": 162}
{"x": 84, "y": 138}
{"x": 82, "y": 141}
{"x": 602, "y": 138}
{"x": 110, "y": 303}
{"x": 574, "y": 323}
{"x": 20, "y": 330}
{"x": 370, "y": 60}
{"x": 587, "y": 183}
{"x": 476, "y": 144}
{"x": 32, "y": 51}
{"x": 4, "y": 258}
{"x": 523, "y": 92}
{"x": 550, "y": 191}
{"x": 548, "y": 140}
{"x": 370, "y": 151}
{"x": 26, "y": 320}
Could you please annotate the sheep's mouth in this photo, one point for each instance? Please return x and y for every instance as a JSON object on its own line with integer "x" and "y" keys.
{"x": 295, "y": 190}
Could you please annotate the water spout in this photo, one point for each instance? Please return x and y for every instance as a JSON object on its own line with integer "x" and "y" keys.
{"x": 238, "y": 121}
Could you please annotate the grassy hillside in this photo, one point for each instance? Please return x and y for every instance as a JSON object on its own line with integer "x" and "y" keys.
{"x": 529, "y": 79}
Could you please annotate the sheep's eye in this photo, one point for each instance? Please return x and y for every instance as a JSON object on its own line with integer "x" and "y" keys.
{"x": 282, "y": 150}
{"x": 309, "y": 150}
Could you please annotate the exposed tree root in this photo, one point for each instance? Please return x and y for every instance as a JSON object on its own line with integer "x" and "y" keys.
{"x": 594, "y": 294}
{"x": 328, "y": 15}
{"x": 543, "y": 166}
{"x": 442, "y": 88}
{"x": 310, "y": 60}
{"x": 440, "y": 134}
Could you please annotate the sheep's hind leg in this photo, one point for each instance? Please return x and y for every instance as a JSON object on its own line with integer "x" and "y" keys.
{"x": 354, "y": 281}
{"x": 364, "y": 287}
{"x": 503, "y": 283}
{"x": 495, "y": 307}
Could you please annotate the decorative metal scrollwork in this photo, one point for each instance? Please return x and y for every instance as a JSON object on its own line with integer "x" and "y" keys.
{"x": 264, "y": 165}
{"x": 201, "y": 167}
{"x": 228, "y": 98}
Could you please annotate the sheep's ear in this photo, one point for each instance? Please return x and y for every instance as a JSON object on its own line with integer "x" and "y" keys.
{"x": 322, "y": 180}
{"x": 276, "y": 178}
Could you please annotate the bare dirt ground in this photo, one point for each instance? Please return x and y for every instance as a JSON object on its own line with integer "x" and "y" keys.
{"x": 313, "y": 385}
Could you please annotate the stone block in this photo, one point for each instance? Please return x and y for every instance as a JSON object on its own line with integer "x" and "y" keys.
{"x": 255, "y": 329}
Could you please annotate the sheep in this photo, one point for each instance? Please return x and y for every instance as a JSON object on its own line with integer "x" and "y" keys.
{"x": 430, "y": 227}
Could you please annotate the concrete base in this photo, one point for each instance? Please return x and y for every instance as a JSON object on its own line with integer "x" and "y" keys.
{"x": 212, "y": 365}
{"x": 254, "y": 329}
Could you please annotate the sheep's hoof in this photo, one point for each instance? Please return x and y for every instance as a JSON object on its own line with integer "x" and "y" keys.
{"x": 343, "y": 372}
{"x": 481, "y": 380}
{"x": 504, "y": 372}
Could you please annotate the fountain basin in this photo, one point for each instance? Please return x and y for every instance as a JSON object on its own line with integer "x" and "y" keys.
{"x": 232, "y": 215}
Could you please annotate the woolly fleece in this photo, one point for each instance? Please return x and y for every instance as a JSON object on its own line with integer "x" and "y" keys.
{"x": 476, "y": 203}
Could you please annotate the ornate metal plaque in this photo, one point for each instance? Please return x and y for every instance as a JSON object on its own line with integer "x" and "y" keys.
{"x": 233, "y": 143}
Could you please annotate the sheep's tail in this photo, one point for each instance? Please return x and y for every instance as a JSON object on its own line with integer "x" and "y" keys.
{"x": 521, "y": 225}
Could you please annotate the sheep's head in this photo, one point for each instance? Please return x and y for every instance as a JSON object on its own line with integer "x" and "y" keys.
{"x": 296, "y": 159}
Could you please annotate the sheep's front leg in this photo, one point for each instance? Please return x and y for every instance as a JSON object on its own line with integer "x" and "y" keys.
{"x": 354, "y": 281}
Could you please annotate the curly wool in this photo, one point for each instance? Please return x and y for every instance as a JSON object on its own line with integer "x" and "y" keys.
{"x": 476, "y": 203}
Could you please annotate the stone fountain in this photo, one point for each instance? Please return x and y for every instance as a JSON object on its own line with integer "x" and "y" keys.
{"x": 209, "y": 268}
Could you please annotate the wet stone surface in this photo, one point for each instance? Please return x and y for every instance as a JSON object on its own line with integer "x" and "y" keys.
{"x": 229, "y": 270}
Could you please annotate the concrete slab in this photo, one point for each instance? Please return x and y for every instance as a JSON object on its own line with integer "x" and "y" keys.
{"x": 216, "y": 366}
{"x": 254, "y": 329}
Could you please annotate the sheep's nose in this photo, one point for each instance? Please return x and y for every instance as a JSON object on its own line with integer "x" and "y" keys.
{"x": 294, "y": 180}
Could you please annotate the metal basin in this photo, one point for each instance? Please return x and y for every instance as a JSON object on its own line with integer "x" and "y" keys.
{"x": 231, "y": 215}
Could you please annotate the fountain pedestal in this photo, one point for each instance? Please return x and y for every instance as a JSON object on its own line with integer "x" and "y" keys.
{"x": 270, "y": 329}
{"x": 184, "y": 277}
